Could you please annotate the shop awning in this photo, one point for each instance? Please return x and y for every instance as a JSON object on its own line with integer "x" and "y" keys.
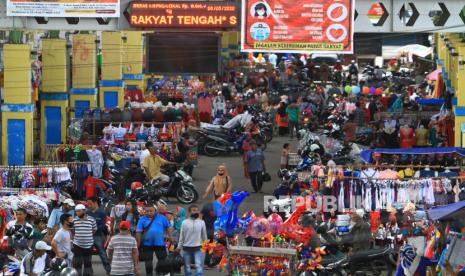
{"x": 367, "y": 154}
{"x": 439, "y": 101}
{"x": 446, "y": 212}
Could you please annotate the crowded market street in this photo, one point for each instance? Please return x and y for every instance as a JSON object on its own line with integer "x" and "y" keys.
{"x": 203, "y": 175}
{"x": 232, "y": 137}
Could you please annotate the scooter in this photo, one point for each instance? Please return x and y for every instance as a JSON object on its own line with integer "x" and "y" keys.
{"x": 180, "y": 186}
{"x": 215, "y": 145}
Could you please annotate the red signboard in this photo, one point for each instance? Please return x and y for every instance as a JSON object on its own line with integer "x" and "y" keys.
{"x": 297, "y": 26}
{"x": 176, "y": 14}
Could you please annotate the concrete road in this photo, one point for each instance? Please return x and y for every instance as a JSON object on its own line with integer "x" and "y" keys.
{"x": 207, "y": 169}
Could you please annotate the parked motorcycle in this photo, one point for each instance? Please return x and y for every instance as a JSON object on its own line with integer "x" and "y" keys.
{"x": 180, "y": 186}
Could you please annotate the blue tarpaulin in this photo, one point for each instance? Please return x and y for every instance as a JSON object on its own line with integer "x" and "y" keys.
{"x": 430, "y": 101}
{"x": 443, "y": 212}
{"x": 367, "y": 154}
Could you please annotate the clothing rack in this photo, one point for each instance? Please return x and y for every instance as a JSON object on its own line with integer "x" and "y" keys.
{"x": 56, "y": 164}
{"x": 340, "y": 177}
{"x": 141, "y": 122}
{"x": 85, "y": 147}
{"x": 48, "y": 166}
{"x": 394, "y": 166}
{"x": 19, "y": 190}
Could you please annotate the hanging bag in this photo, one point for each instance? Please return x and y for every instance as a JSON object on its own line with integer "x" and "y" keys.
{"x": 164, "y": 135}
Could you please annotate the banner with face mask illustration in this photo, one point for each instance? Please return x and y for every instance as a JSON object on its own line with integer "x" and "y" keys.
{"x": 297, "y": 26}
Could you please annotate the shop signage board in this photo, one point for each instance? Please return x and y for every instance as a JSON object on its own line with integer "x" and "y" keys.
{"x": 183, "y": 15}
{"x": 297, "y": 26}
{"x": 63, "y": 8}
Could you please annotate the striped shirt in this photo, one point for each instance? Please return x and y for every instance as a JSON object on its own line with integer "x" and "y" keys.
{"x": 122, "y": 262}
{"x": 84, "y": 231}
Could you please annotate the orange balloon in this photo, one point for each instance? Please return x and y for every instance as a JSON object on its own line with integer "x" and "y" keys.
{"x": 366, "y": 90}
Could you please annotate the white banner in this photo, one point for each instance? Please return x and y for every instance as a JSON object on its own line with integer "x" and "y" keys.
{"x": 63, "y": 8}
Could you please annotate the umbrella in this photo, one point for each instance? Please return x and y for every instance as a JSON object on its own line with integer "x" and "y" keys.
{"x": 415, "y": 49}
{"x": 433, "y": 76}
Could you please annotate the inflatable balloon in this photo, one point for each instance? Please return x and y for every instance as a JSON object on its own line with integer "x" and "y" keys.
{"x": 222, "y": 218}
{"x": 379, "y": 91}
{"x": 244, "y": 222}
{"x": 292, "y": 230}
{"x": 258, "y": 228}
{"x": 231, "y": 216}
{"x": 355, "y": 89}
{"x": 348, "y": 88}
{"x": 366, "y": 90}
{"x": 276, "y": 224}
{"x": 223, "y": 198}
{"x": 372, "y": 90}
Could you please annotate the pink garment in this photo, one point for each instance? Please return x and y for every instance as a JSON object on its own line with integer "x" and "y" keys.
{"x": 205, "y": 104}
{"x": 350, "y": 107}
{"x": 388, "y": 174}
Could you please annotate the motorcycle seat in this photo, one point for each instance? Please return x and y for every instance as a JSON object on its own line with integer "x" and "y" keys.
{"x": 332, "y": 260}
{"x": 372, "y": 253}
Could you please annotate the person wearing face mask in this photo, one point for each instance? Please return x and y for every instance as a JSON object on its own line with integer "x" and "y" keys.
{"x": 260, "y": 11}
{"x": 61, "y": 243}
{"x": 84, "y": 229}
{"x": 54, "y": 218}
{"x": 221, "y": 183}
{"x": 193, "y": 234}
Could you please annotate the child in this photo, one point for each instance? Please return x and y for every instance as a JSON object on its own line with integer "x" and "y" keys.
{"x": 285, "y": 156}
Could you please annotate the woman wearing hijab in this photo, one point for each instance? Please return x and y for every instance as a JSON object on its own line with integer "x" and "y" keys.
{"x": 221, "y": 183}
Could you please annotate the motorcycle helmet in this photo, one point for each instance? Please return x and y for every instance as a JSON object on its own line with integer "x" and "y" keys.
{"x": 281, "y": 173}
{"x": 136, "y": 186}
{"x": 314, "y": 147}
{"x": 58, "y": 264}
{"x": 69, "y": 271}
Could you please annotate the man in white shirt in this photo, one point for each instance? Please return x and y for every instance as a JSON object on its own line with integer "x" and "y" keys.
{"x": 145, "y": 153}
{"x": 61, "y": 243}
{"x": 33, "y": 264}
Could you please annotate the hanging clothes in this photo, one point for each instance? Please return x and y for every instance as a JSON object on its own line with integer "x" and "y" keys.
{"x": 96, "y": 159}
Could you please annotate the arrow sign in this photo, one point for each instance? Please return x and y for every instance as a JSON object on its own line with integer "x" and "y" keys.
{"x": 404, "y": 14}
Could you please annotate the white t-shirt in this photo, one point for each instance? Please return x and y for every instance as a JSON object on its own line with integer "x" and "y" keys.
{"x": 63, "y": 240}
{"x": 117, "y": 211}
{"x": 39, "y": 265}
{"x": 144, "y": 154}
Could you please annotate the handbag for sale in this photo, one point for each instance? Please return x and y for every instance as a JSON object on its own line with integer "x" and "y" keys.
{"x": 164, "y": 135}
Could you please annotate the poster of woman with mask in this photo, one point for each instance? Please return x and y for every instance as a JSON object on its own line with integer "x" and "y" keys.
{"x": 261, "y": 10}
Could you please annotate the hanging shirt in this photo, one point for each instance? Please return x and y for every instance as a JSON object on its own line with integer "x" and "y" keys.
{"x": 91, "y": 184}
{"x": 96, "y": 157}
{"x": 406, "y": 173}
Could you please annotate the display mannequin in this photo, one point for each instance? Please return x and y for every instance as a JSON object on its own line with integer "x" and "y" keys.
{"x": 421, "y": 136}
{"x": 406, "y": 136}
